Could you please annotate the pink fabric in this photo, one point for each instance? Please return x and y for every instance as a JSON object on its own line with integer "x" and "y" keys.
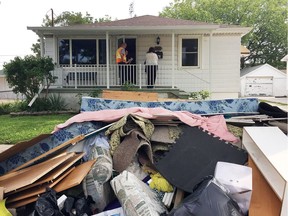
{"x": 214, "y": 124}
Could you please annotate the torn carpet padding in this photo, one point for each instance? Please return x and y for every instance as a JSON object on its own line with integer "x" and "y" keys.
{"x": 194, "y": 156}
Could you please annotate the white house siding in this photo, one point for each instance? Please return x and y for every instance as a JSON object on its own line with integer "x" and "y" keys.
{"x": 50, "y": 48}
{"x": 6, "y": 91}
{"x": 225, "y": 68}
{"x": 225, "y": 76}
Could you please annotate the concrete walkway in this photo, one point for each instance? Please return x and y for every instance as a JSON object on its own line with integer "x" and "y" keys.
{"x": 4, "y": 147}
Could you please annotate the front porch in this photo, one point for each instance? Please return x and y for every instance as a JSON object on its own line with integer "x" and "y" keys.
{"x": 104, "y": 76}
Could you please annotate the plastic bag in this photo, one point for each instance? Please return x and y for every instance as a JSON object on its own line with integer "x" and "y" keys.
{"x": 46, "y": 204}
{"x": 210, "y": 199}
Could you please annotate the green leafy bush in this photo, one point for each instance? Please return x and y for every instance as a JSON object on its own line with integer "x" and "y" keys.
{"x": 201, "y": 95}
{"x": 17, "y": 106}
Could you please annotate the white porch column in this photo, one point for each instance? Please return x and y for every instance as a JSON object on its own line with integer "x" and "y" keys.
{"x": 107, "y": 60}
{"x": 210, "y": 63}
{"x": 41, "y": 46}
{"x": 173, "y": 60}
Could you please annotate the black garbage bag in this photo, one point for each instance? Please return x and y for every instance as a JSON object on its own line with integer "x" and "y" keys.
{"x": 68, "y": 206}
{"x": 46, "y": 204}
{"x": 77, "y": 207}
{"x": 208, "y": 199}
{"x": 82, "y": 207}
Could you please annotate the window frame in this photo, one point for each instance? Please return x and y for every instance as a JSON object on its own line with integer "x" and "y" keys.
{"x": 71, "y": 48}
{"x": 180, "y": 39}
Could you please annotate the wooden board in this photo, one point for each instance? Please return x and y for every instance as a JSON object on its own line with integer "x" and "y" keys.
{"x": 51, "y": 151}
{"x": 20, "y": 147}
{"x": 33, "y": 173}
{"x": 75, "y": 177}
{"x": 22, "y": 202}
{"x": 37, "y": 190}
{"x": 53, "y": 174}
{"x": 264, "y": 201}
{"x": 130, "y": 95}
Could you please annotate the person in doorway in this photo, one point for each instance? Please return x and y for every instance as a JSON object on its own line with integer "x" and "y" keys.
{"x": 121, "y": 60}
{"x": 151, "y": 67}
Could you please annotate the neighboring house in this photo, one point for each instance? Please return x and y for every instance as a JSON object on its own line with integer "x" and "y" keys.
{"x": 263, "y": 80}
{"x": 5, "y": 90}
{"x": 194, "y": 56}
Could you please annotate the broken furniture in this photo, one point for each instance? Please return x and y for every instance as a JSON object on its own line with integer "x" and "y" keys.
{"x": 268, "y": 156}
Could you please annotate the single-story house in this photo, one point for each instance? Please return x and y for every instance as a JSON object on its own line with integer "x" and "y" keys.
{"x": 5, "y": 90}
{"x": 193, "y": 56}
{"x": 263, "y": 80}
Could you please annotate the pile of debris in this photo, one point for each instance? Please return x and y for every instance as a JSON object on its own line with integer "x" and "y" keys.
{"x": 131, "y": 161}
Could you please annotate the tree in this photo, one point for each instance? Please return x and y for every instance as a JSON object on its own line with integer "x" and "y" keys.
{"x": 26, "y": 75}
{"x": 67, "y": 19}
{"x": 267, "y": 41}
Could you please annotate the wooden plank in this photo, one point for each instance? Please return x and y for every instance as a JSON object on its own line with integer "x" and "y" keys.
{"x": 58, "y": 148}
{"x": 22, "y": 202}
{"x": 62, "y": 146}
{"x": 20, "y": 147}
{"x": 53, "y": 174}
{"x": 130, "y": 95}
{"x": 1, "y": 193}
{"x": 33, "y": 173}
{"x": 75, "y": 177}
{"x": 39, "y": 189}
{"x": 178, "y": 197}
{"x": 268, "y": 148}
{"x": 264, "y": 201}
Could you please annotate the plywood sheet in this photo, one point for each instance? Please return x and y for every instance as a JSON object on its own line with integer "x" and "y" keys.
{"x": 264, "y": 201}
{"x": 33, "y": 173}
{"x": 130, "y": 95}
{"x": 52, "y": 151}
{"x": 22, "y": 202}
{"x": 19, "y": 147}
{"x": 75, "y": 177}
{"x": 37, "y": 190}
{"x": 53, "y": 174}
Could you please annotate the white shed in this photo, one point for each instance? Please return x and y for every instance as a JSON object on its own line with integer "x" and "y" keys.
{"x": 263, "y": 80}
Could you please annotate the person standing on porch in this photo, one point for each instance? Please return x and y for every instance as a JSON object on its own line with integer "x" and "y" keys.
{"x": 121, "y": 61}
{"x": 151, "y": 67}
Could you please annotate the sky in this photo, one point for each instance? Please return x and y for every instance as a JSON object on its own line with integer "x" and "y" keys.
{"x": 16, "y": 15}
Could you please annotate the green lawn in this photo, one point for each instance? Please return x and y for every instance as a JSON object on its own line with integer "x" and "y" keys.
{"x": 17, "y": 129}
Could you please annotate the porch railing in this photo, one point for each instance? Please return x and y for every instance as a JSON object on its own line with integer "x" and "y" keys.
{"x": 98, "y": 75}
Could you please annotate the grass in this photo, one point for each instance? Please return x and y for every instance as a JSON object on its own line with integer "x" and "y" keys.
{"x": 22, "y": 128}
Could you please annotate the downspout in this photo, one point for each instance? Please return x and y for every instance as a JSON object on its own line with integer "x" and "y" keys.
{"x": 210, "y": 63}
{"x": 107, "y": 60}
{"x": 173, "y": 60}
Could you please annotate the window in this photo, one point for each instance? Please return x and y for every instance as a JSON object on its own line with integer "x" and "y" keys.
{"x": 64, "y": 52}
{"x": 189, "y": 52}
{"x": 84, "y": 51}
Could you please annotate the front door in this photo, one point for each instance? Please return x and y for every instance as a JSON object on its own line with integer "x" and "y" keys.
{"x": 131, "y": 47}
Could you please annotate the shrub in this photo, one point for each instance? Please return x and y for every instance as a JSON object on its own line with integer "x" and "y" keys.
{"x": 26, "y": 75}
{"x": 201, "y": 95}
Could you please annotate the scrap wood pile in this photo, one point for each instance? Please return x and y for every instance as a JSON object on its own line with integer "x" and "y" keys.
{"x": 134, "y": 161}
